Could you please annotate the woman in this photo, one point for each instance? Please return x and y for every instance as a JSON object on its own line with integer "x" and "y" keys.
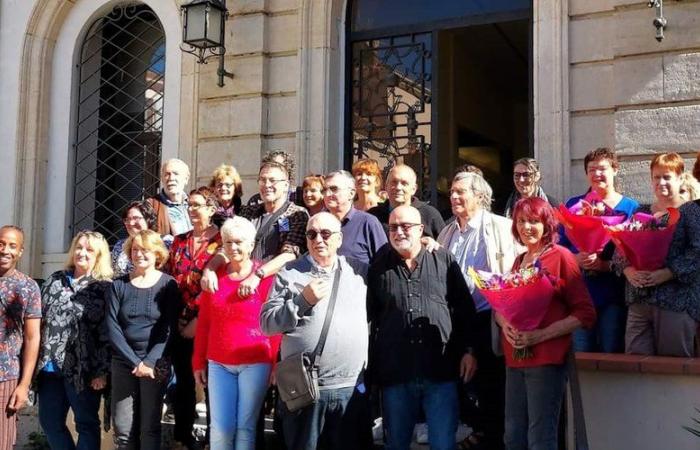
{"x": 141, "y": 308}
{"x": 368, "y": 180}
{"x": 535, "y": 385}
{"x": 74, "y": 356}
{"x": 189, "y": 254}
{"x": 526, "y": 178}
{"x": 690, "y": 188}
{"x": 606, "y": 288}
{"x": 137, "y": 216}
{"x": 231, "y": 355}
{"x": 312, "y": 188}
{"x": 226, "y": 184}
{"x": 654, "y": 326}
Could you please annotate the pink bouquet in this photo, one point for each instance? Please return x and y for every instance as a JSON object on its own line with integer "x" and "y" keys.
{"x": 521, "y": 297}
{"x": 645, "y": 239}
{"x": 584, "y": 223}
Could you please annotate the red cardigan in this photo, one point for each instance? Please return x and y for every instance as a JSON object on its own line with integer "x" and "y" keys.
{"x": 571, "y": 298}
{"x": 228, "y": 330}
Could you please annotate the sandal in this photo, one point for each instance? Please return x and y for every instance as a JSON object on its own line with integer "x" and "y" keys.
{"x": 472, "y": 442}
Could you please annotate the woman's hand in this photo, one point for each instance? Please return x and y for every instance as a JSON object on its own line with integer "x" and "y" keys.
{"x": 586, "y": 260}
{"x": 187, "y": 329}
{"x": 509, "y": 331}
{"x": 200, "y": 377}
{"x": 143, "y": 371}
{"x": 529, "y": 338}
{"x": 248, "y": 286}
{"x": 99, "y": 383}
{"x": 637, "y": 278}
{"x": 660, "y": 276}
{"x": 429, "y": 243}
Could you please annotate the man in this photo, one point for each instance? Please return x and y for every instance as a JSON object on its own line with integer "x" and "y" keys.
{"x": 401, "y": 185}
{"x": 20, "y": 314}
{"x": 477, "y": 238}
{"x": 363, "y": 235}
{"x": 296, "y": 194}
{"x": 171, "y": 203}
{"x": 297, "y": 307}
{"x": 421, "y": 314}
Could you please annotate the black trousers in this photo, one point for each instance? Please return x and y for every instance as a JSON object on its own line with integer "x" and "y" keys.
{"x": 185, "y": 397}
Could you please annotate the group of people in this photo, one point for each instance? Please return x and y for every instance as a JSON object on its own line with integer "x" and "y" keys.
{"x": 208, "y": 291}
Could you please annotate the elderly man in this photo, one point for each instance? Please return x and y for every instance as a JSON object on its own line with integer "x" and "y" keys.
{"x": 297, "y": 307}
{"x": 363, "y": 235}
{"x": 477, "y": 238}
{"x": 171, "y": 203}
{"x": 421, "y": 314}
{"x": 401, "y": 185}
{"x": 20, "y": 317}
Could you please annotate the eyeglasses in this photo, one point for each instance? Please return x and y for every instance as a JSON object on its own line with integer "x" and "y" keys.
{"x": 224, "y": 185}
{"x": 273, "y": 181}
{"x": 405, "y": 227}
{"x": 325, "y": 234}
{"x": 195, "y": 206}
{"x": 132, "y": 219}
{"x": 524, "y": 175}
{"x": 331, "y": 189}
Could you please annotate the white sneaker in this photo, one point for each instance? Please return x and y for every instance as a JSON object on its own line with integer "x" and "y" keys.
{"x": 378, "y": 430}
{"x": 463, "y": 431}
{"x": 421, "y": 431}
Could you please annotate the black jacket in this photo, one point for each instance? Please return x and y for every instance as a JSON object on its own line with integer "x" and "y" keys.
{"x": 430, "y": 217}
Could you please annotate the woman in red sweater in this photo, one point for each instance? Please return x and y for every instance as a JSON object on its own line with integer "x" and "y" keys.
{"x": 535, "y": 385}
{"x": 231, "y": 354}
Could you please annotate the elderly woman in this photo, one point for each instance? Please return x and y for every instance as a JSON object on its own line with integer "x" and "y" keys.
{"x": 226, "y": 184}
{"x": 137, "y": 216}
{"x": 368, "y": 179}
{"x": 606, "y": 288}
{"x": 535, "y": 385}
{"x": 526, "y": 178}
{"x": 312, "y": 187}
{"x": 189, "y": 254}
{"x": 690, "y": 188}
{"x": 74, "y": 355}
{"x": 231, "y": 355}
{"x": 141, "y": 310}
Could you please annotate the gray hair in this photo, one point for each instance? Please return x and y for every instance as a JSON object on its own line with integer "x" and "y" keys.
{"x": 175, "y": 161}
{"x": 245, "y": 226}
{"x": 479, "y": 187}
{"x": 343, "y": 174}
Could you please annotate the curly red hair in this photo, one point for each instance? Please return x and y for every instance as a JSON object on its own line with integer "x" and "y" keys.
{"x": 540, "y": 210}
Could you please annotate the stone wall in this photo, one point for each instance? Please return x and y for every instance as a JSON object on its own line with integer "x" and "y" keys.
{"x": 630, "y": 92}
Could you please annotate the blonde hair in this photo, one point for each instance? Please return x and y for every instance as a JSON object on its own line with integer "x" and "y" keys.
{"x": 103, "y": 262}
{"x": 150, "y": 241}
{"x": 226, "y": 170}
{"x": 238, "y": 223}
{"x": 690, "y": 183}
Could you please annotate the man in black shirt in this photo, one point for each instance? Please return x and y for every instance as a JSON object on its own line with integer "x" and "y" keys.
{"x": 421, "y": 317}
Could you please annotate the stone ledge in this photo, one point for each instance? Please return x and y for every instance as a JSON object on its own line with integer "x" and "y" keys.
{"x": 608, "y": 362}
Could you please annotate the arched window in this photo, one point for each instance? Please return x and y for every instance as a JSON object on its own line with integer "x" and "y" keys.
{"x": 119, "y": 117}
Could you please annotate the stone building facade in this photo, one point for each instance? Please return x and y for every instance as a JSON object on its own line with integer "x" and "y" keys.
{"x": 596, "y": 77}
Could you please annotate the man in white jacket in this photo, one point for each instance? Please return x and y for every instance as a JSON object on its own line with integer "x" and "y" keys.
{"x": 480, "y": 239}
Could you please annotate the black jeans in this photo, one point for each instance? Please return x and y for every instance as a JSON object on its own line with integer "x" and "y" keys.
{"x": 185, "y": 397}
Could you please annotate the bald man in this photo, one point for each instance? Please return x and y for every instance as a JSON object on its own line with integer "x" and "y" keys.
{"x": 421, "y": 314}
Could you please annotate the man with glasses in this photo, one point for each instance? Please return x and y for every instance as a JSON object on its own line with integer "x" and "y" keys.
{"x": 296, "y": 307}
{"x": 422, "y": 324}
{"x": 363, "y": 234}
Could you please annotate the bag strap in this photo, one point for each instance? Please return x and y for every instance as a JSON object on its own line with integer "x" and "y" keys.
{"x": 329, "y": 316}
{"x": 580, "y": 435}
{"x": 263, "y": 231}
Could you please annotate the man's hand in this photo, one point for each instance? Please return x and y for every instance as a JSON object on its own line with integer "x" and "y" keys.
{"x": 467, "y": 367}
{"x": 209, "y": 281}
{"x": 316, "y": 290}
{"x": 248, "y": 286}
{"x": 99, "y": 383}
{"x": 200, "y": 377}
{"x": 18, "y": 399}
{"x": 429, "y": 243}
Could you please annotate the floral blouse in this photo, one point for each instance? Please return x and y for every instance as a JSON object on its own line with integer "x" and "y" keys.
{"x": 187, "y": 269}
{"x": 74, "y": 335}
{"x": 120, "y": 261}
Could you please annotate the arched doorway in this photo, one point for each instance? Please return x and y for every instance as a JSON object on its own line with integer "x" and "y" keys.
{"x": 440, "y": 87}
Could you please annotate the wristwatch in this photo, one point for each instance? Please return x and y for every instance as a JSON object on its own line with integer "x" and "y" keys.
{"x": 260, "y": 273}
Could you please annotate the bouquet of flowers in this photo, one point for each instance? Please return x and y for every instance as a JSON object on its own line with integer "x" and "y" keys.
{"x": 522, "y": 297}
{"x": 584, "y": 223}
{"x": 645, "y": 239}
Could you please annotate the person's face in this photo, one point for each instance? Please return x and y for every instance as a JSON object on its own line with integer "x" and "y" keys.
{"x": 530, "y": 230}
{"x": 401, "y": 186}
{"x": 666, "y": 183}
{"x": 273, "y": 184}
{"x": 405, "y": 231}
{"x": 601, "y": 174}
{"x": 134, "y": 221}
{"x": 463, "y": 201}
{"x": 525, "y": 180}
{"x": 225, "y": 189}
{"x": 200, "y": 213}
{"x": 84, "y": 256}
{"x": 142, "y": 258}
{"x": 338, "y": 194}
{"x": 684, "y": 193}
{"x": 237, "y": 246}
{"x": 174, "y": 178}
{"x": 365, "y": 182}
{"x": 313, "y": 196}
{"x": 327, "y": 237}
{"x": 11, "y": 248}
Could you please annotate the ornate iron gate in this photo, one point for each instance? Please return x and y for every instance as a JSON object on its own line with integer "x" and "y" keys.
{"x": 119, "y": 118}
{"x": 392, "y": 102}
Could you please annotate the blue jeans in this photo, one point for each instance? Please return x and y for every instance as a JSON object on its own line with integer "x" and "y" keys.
{"x": 533, "y": 402}
{"x": 608, "y": 333}
{"x": 402, "y": 404}
{"x": 56, "y": 396}
{"x": 236, "y": 394}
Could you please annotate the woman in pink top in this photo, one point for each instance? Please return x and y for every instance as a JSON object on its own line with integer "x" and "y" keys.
{"x": 231, "y": 354}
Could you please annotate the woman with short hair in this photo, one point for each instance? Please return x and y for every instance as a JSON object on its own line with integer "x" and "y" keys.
{"x": 228, "y": 187}
{"x": 141, "y": 309}
{"x": 231, "y": 354}
{"x": 526, "y": 179}
{"x": 138, "y": 215}
{"x": 312, "y": 188}
{"x": 368, "y": 179}
{"x": 690, "y": 188}
{"x": 74, "y": 356}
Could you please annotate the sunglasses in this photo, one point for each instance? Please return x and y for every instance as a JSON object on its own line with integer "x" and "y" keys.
{"x": 405, "y": 227}
{"x": 325, "y": 234}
